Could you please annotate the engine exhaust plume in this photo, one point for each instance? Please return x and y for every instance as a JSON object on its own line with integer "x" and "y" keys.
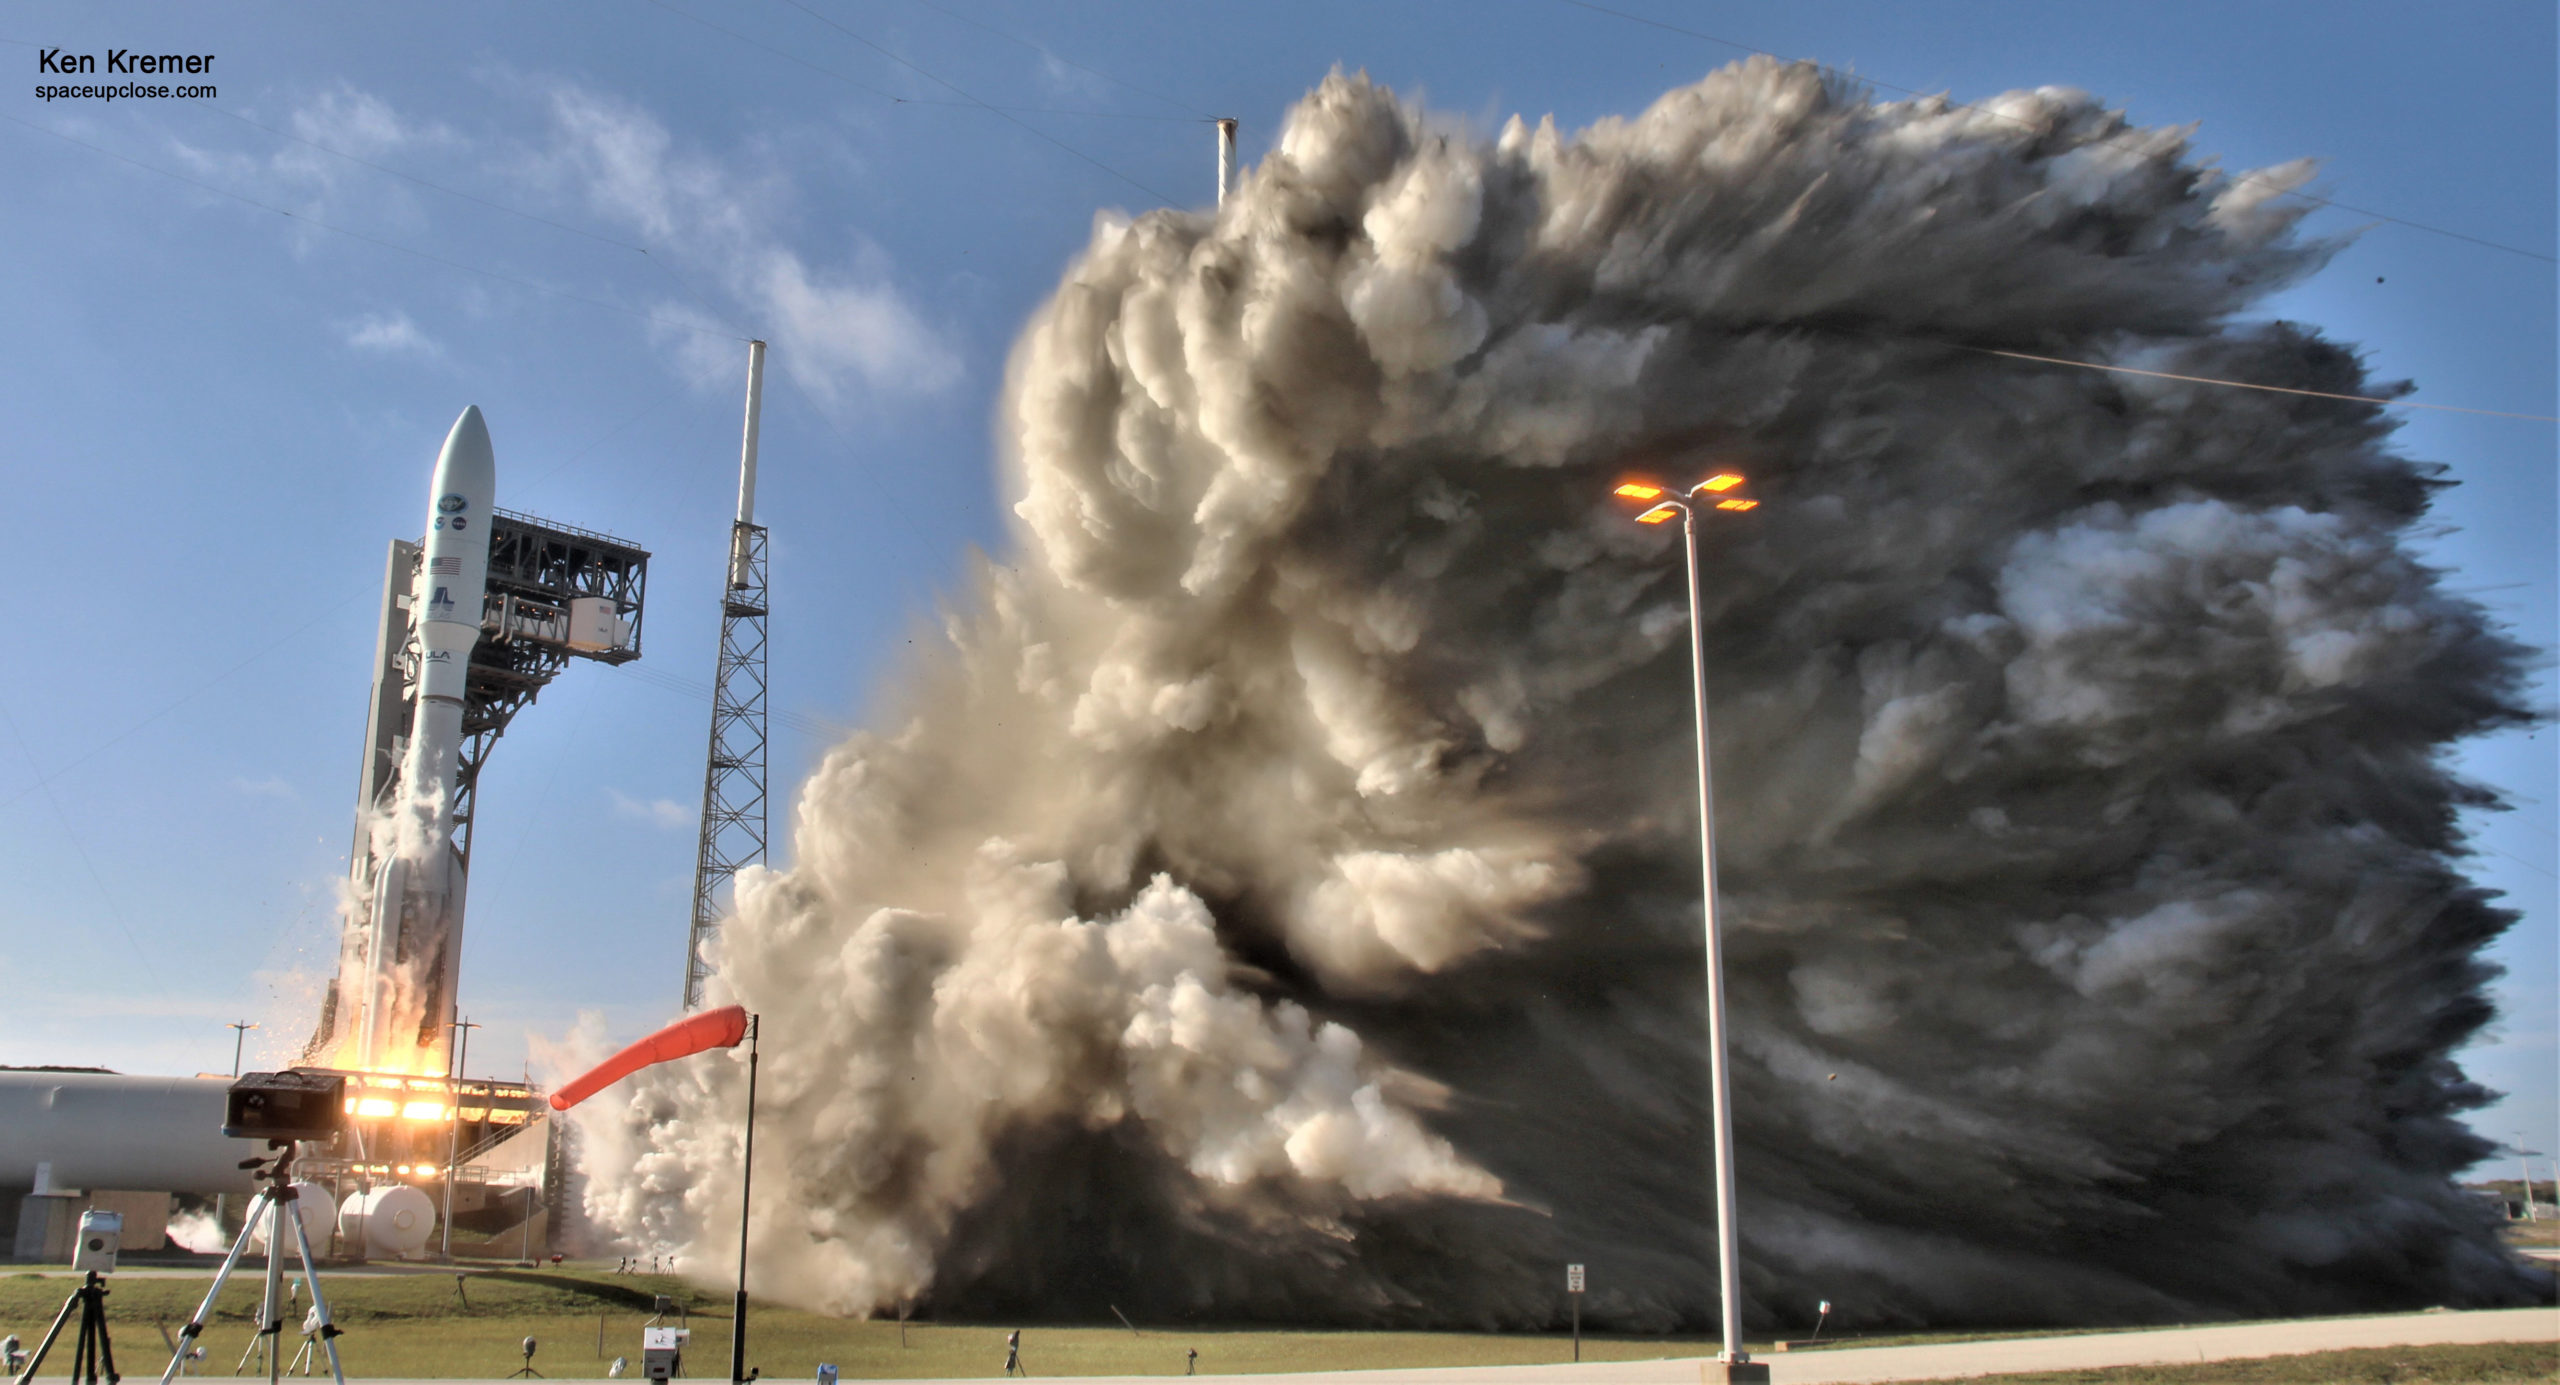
{"x": 1279, "y": 898}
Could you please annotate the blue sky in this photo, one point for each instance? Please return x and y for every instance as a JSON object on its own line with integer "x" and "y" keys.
{"x": 224, "y": 389}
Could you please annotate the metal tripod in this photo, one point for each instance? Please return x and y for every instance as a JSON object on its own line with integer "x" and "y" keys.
{"x": 93, "y": 1348}
{"x": 310, "y": 1338}
{"x": 279, "y": 1205}
{"x": 258, "y": 1342}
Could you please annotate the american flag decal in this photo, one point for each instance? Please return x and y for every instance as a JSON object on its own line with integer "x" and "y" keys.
{"x": 444, "y": 567}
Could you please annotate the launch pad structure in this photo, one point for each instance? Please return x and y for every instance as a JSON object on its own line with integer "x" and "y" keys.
{"x": 555, "y": 593}
{"x": 477, "y": 617}
{"x": 550, "y": 593}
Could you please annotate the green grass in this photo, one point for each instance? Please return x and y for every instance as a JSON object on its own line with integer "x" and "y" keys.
{"x": 2545, "y": 1233}
{"x": 2494, "y": 1363}
{"x": 414, "y": 1326}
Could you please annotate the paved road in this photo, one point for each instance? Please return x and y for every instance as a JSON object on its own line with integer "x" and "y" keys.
{"x": 1868, "y": 1365}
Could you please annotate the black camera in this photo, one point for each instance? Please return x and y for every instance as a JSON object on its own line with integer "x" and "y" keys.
{"x": 294, "y": 1105}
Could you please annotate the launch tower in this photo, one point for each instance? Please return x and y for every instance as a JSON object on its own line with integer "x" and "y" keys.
{"x": 555, "y": 593}
{"x": 733, "y": 777}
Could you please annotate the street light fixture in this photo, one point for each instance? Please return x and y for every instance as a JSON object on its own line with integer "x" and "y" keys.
{"x": 239, "y": 1035}
{"x": 1711, "y": 493}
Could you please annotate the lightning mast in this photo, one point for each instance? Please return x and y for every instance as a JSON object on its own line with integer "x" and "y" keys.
{"x": 1226, "y": 157}
{"x": 733, "y": 779}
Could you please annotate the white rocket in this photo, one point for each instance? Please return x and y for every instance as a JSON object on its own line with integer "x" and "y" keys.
{"x": 414, "y": 954}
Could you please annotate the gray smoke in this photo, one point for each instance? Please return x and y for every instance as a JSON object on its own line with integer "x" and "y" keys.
{"x": 1279, "y": 898}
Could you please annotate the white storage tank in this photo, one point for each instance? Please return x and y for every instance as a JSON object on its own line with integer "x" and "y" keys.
{"x": 312, "y": 1203}
{"x": 390, "y": 1223}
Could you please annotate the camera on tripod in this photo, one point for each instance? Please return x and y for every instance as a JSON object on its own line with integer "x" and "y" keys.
{"x": 101, "y": 1236}
{"x": 283, "y": 1109}
{"x": 285, "y": 1106}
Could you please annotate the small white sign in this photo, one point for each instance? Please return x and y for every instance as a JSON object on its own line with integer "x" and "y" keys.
{"x": 1573, "y": 1279}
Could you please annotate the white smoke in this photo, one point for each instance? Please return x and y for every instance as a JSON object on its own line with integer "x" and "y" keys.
{"x": 199, "y": 1232}
{"x": 1279, "y": 898}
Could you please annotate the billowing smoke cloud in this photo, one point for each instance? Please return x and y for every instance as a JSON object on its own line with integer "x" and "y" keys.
{"x": 199, "y": 1232}
{"x": 1279, "y": 900}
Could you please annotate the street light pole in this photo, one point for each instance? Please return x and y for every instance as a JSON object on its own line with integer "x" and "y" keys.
{"x": 453, "y": 1119}
{"x": 1713, "y": 492}
{"x": 1719, "y": 1079}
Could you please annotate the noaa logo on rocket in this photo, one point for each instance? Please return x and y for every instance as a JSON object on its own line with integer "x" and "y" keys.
{"x": 452, "y": 504}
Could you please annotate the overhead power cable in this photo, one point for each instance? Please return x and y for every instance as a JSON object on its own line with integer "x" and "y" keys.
{"x": 1045, "y": 51}
{"x": 421, "y": 182}
{"x": 45, "y": 778}
{"x": 859, "y": 85}
{"x": 971, "y": 97}
{"x": 2247, "y": 385}
{"x": 307, "y": 220}
{"x": 788, "y": 57}
{"x": 896, "y": 100}
{"x": 1005, "y": 116}
{"x": 1056, "y": 110}
{"x": 2544, "y": 871}
{"x": 2003, "y": 115}
{"x": 114, "y": 910}
{"x": 713, "y": 314}
{"x": 815, "y": 728}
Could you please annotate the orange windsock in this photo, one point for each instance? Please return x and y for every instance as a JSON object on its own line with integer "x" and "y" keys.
{"x": 721, "y": 1028}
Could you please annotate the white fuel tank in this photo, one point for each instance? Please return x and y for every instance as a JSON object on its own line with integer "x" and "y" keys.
{"x": 388, "y": 1223}
{"x": 311, "y": 1202}
{"x": 109, "y": 1130}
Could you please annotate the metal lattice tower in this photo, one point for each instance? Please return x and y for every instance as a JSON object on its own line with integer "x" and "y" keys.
{"x": 733, "y": 777}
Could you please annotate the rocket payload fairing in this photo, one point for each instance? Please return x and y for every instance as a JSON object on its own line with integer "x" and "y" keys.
{"x": 412, "y": 939}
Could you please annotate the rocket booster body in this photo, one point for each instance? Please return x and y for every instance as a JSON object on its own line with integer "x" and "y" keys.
{"x": 414, "y": 953}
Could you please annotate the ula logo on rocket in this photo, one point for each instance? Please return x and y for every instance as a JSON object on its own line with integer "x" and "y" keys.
{"x": 452, "y": 504}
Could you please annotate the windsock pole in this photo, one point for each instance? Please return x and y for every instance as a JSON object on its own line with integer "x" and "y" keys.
{"x": 721, "y": 1028}
{"x": 746, "y": 1182}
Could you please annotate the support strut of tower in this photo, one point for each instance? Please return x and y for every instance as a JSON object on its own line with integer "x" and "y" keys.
{"x": 733, "y": 779}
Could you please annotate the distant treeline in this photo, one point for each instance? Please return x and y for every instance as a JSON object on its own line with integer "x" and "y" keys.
{"x": 2545, "y": 1193}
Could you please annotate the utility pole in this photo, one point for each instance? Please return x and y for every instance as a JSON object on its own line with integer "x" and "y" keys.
{"x": 2526, "y": 1169}
{"x": 240, "y": 1034}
